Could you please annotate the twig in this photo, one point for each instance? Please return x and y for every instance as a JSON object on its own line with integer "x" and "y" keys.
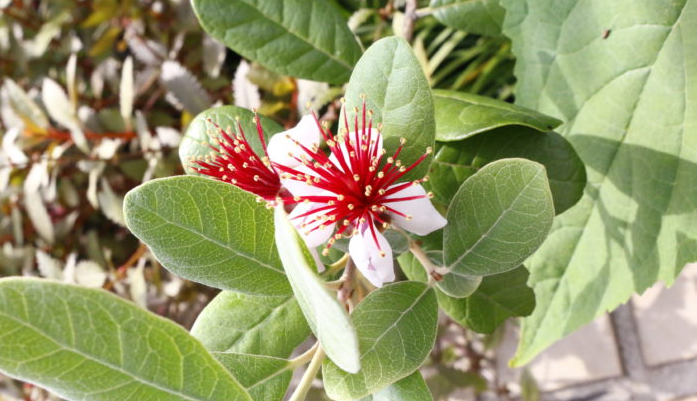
{"x": 305, "y": 357}
{"x": 348, "y": 278}
{"x": 434, "y": 272}
{"x": 410, "y": 18}
{"x": 306, "y": 381}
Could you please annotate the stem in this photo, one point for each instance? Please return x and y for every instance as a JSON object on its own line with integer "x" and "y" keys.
{"x": 434, "y": 272}
{"x": 306, "y": 381}
{"x": 346, "y": 290}
{"x": 409, "y": 19}
{"x": 336, "y": 266}
{"x": 305, "y": 357}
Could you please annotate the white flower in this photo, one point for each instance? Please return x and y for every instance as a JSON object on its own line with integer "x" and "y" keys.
{"x": 351, "y": 193}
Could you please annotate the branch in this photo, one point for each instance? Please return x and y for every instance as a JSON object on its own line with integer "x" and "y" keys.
{"x": 410, "y": 18}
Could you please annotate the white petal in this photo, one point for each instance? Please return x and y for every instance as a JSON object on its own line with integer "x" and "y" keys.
{"x": 306, "y": 133}
{"x": 378, "y": 269}
{"x": 317, "y": 236}
{"x": 424, "y": 217}
{"x": 375, "y": 139}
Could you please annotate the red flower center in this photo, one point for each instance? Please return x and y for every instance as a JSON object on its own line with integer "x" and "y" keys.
{"x": 360, "y": 189}
{"x": 234, "y": 161}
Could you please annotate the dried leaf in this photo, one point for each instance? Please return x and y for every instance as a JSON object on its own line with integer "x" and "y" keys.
{"x": 184, "y": 90}
{"x": 49, "y": 267}
{"x": 25, "y": 108}
{"x": 111, "y": 204}
{"x": 89, "y": 274}
{"x": 246, "y": 93}
{"x": 127, "y": 92}
{"x": 213, "y": 56}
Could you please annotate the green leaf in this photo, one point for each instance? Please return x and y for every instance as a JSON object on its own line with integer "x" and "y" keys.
{"x": 489, "y": 300}
{"x": 457, "y": 161}
{"x": 482, "y": 17}
{"x": 326, "y": 316}
{"x": 209, "y": 232}
{"x": 197, "y": 139}
{"x": 462, "y": 286}
{"x": 396, "y": 327}
{"x": 411, "y": 388}
{"x": 497, "y": 298}
{"x": 461, "y": 115}
{"x": 498, "y": 218}
{"x": 396, "y": 89}
{"x": 622, "y": 76}
{"x": 251, "y": 324}
{"x": 89, "y": 344}
{"x": 265, "y": 378}
{"x": 304, "y": 39}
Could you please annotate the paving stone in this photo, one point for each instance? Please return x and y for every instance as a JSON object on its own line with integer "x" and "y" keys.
{"x": 667, "y": 320}
{"x": 589, "y": 354}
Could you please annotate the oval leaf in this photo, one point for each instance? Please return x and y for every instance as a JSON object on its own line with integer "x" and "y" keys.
{"x": 411, "y": 388}
{"x": 326, "y": 316}
{"x": 209, "y": 232}
{"x": 497, "y": 219}
{"x": 460, "y": 115}
{"x": 304, "y": 39}
{"x": 396, "y": 327}
{"x": 198, "y": 136}
{"x": 251, "y": 324}
{"x": 396, "y": 89}
{"x": 456, "y": 161}
{"x": 497, "y": 298}
{"x": 265, "y": 378}
{"x": 482, "y": 17}
{"x": 89, "y": 344}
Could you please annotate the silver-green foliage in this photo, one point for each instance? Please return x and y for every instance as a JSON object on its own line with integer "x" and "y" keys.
{"x": 89, "y": 344}
{"x": 497, "y": 219}
{"x": 304, "y": 39}
{"x": 208, "y": 231}
{"x": 396, "y": 327}
{"x": 326, "y": 316}
{"x": 395, "y": 88}
{"x": 251, "y": 324}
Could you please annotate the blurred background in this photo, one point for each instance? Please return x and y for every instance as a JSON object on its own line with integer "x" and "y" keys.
{"x": 95, "y": 97}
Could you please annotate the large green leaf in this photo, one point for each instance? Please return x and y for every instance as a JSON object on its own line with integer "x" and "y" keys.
{"x": 209, "y": 232}
{"x": 251, "y": 324}
{"x": 482, "y": 17}
{"x": 411, "y": 388}
{"x": 89, "y": 344}
{"x": 197, "y": 140}
{"x": 622, "y": 75}
{"x": 461, "y": 115}
{"x": 304, "y": 39}
{"x": 326, "y": 316}
{"x": 456, "y": 161}
{"x": 396, "y": 89}
{"x": 396, "y": 327}
{"x": 498, "y": 218}
{"x": 265, "y": 378}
